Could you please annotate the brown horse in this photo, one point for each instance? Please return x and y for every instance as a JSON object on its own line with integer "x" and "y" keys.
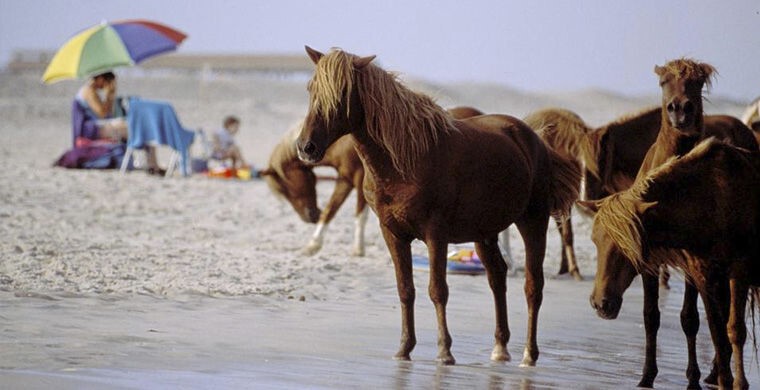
{"x": 667, "y": 210}
{"x": 568, "y": 135}
{"x": 294, "y": 180}
{"x": 440, "y": 180}
{"x": 290, "y": 178}
{"x": 682, "y": 126}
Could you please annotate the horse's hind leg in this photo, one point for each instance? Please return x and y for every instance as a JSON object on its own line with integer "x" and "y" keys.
{"x": 339, "y": 195}
{"x": 439, "y": 294}
{"x": 713, "y": 299}
{"x": 690, "y": 326}
{"x": 401, "y": 254}
{"x": 569, "y": 263}
{"x": 737, "y": 330}
{"x": 496, "y": 269}
{"x": 360, "y": 223}
{"x": 533, "y": 232}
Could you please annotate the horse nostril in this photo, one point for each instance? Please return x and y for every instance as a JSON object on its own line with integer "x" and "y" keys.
{"x": 688, "y": 107}
{"x": 671, "y": 107}
{"x": 309, "y": 148}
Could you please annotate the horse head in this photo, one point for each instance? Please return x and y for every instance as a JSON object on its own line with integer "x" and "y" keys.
{"x": 682, "y": 81}
{"x": 297, "y": 184}
{"x": 615, "y": 270}
{"x": 334, "y": 104}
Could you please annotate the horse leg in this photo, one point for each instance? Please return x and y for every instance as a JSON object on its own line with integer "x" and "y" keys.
{"x": 359, "y": 223}
{"x": 665, "y": 277}
{"x": 506, "y": 250}
{"x": 533, "y": 232}
{"x": 690, "y": 326}
{"x": 339, "y": 195}
{"x": 361, "y": 219}
{"x": 651, "y": 327}
{"x": 737, "y": 329}
{"x": 438, "y": 290}
{"x": 496, "y": 270}
{"x": 569, "y": 262}
{"x": 401, "y": 254}
{"x": 713, "y": 298}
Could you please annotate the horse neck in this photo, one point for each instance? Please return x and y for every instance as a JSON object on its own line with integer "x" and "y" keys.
{"x": 672, "y": 142}
{"x": 374, "y": 156}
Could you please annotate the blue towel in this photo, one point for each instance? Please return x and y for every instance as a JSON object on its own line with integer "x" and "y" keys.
{"x": 152, "y": 121}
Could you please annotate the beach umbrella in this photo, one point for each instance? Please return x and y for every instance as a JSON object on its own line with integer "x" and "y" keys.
{"x": 109, "y": 45}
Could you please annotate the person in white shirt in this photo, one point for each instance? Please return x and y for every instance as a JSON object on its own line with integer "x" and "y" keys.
{"x": 224, "y": 143}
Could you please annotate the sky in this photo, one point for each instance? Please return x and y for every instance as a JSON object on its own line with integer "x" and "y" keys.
{"x": 538, "y": 46}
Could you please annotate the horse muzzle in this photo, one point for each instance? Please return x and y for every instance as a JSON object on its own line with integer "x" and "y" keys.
{"x": 310, "y": 152}
{"x": 608, "y": 307}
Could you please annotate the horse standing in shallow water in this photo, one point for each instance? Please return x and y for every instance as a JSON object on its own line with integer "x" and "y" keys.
{"x": 682, "y": 126}
{"x": 668, "y": 210}
{"x": 440, "y": 180}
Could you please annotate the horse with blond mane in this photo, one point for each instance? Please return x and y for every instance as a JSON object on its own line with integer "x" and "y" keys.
{"x": 294, "y": 180}
{"x": 682, "y": 126}
{"x": 666, "y": 211}
{"x": 440, "y": 180}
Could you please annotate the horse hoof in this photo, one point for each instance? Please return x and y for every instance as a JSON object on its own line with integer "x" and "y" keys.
{"x": 646, "y": 383}
{"x": 311, "y": 250}
{"x": 528, "y": 363}
{"x": 446, "y": 360}
{"x": 402, "y": 357}
{"x": 358, "y": 253}
{"x": 500, "y": 354}
{"x": 577, "y": 276}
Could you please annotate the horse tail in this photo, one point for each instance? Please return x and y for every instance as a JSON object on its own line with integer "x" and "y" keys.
{"x": 564, "y": 183}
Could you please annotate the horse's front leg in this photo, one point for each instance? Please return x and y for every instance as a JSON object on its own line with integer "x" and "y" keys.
{"x": 438, "y": 290}
{"x": 651, "y": 327}
{"x": 339, "y": 195}
{"x": 496, "y": 269}
{"x": 737, "y": 329}
{"x": 401, "y": 254}
{"x": 361, "y": 221}
{"x": 533, "y": 232}
{"x": 690, "y": 326}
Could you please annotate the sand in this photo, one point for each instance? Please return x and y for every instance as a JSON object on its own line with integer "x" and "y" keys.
{"x": 134, "y": 281}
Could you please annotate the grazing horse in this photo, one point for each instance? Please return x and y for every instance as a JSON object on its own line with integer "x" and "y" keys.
{"x": 288, "y": 177}
{"x": 294, "y": 180}
{"x": 440, "y": 180}
{"x": 682, "y": 126}
{"x": 666, "y": 211}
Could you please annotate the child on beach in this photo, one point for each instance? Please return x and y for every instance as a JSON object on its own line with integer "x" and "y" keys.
{"x": 224, "y": 143}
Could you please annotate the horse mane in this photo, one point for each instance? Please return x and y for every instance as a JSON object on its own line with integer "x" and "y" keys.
{"x": 405, "y": 123}
{"x": 283, "y": 153}
{"x": 689, "y": 69}
{"x": 565, "y": 130}
{"x": 620, "y": 216}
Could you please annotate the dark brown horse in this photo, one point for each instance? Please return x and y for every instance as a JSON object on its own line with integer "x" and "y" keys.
{"x": 682, "y": 126}
{"x": 295, "y": 181}
{"x": 440, "y": 180}
{"x": 708, "y": 204}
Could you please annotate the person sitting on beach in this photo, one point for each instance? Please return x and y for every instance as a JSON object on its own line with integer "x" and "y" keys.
{"x": 99, "y": 123}
{"x": 224, "y": 143}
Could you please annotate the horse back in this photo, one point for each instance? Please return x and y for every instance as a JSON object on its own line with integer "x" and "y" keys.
{"x": 731, "y": 130}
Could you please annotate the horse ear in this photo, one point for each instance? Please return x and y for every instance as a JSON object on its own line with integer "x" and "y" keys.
{"x": 313, "y": 54}
{"x": 642, "y": 207}
{"x": 659, "y": 70}
{"x": 708, "y": 71}
{"x": 363, "y": 61}
{"x": 591, "y": 206}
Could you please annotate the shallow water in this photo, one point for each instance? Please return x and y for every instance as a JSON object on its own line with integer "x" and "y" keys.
{"x": 196, "y": 341}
